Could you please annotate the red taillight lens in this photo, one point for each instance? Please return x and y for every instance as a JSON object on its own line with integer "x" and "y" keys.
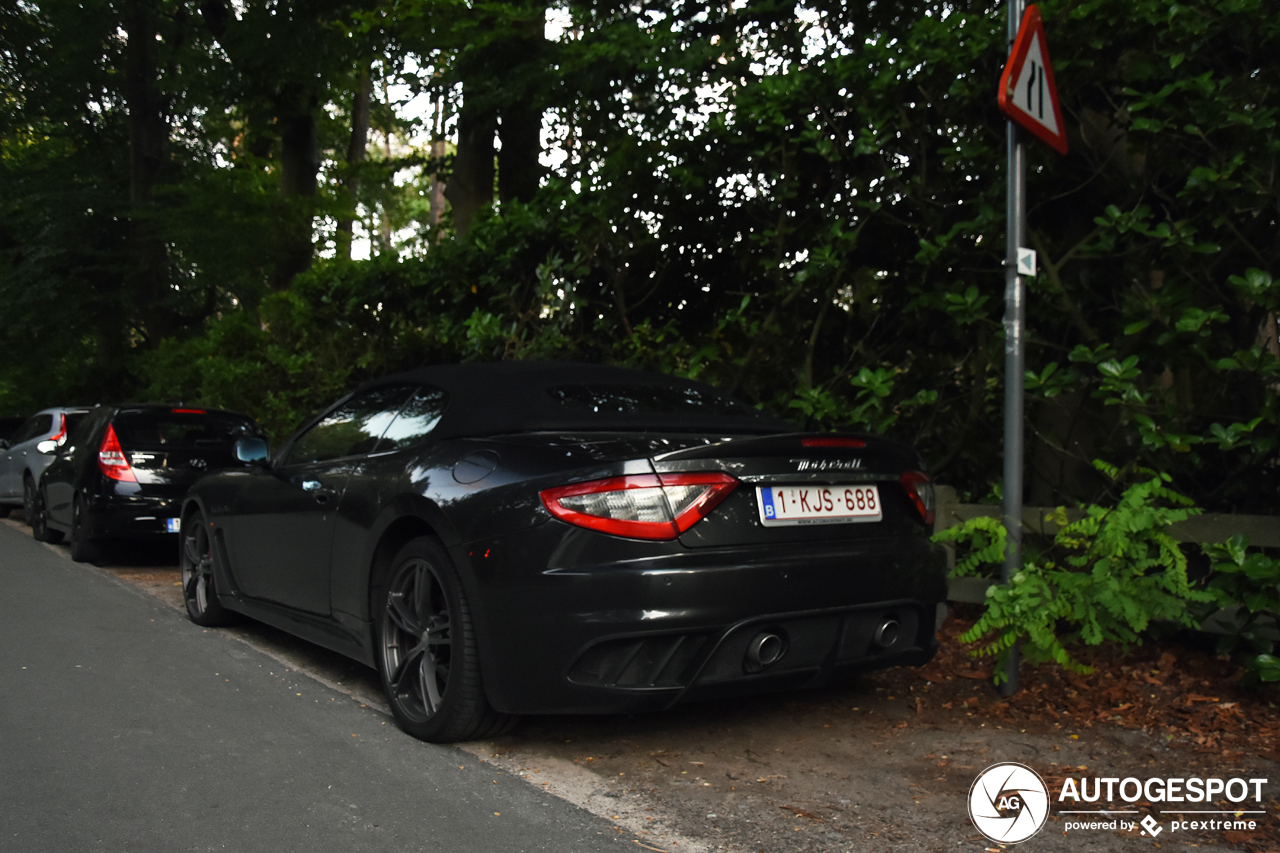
{"x": 642, "y": 506}
{"x": 111, "y": 458}
{"x": 832, "y": 441}
{"x": 61, "y": 437}
{"x": 919, "y": 489}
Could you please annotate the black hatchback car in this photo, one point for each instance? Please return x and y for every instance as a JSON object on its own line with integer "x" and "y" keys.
{"x": 124, "y": 470}
{"x": 545, "y": 537}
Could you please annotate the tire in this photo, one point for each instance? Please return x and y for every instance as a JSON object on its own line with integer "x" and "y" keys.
{"x": 28, "y": 499}
{"x": 83, "y": 549}
{"x": 426, "y": 649}
{"x": 195, "y": 555}
{"x": 40, "y": 522}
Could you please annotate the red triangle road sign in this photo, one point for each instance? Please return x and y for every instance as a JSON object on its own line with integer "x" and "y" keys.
{"x": 1028, "y": 94}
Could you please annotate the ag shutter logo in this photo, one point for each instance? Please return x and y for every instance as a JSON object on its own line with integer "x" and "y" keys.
{"x": 1009, "y": 802}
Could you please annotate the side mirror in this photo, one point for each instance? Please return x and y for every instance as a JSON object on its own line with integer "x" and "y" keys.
{"x": 253, "y": 451}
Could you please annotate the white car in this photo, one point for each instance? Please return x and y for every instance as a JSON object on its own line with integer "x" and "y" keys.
{"x": 25, "y": 454}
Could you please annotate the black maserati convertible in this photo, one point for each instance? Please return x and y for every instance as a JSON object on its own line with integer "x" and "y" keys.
{"x": 525, "y": 537}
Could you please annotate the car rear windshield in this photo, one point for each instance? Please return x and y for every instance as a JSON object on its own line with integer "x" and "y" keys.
{"x": 646, "y": 399}
{"x": 181, "y": 429}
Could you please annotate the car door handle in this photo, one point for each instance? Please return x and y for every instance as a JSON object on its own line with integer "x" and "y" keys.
{"x": 322, "y": 493}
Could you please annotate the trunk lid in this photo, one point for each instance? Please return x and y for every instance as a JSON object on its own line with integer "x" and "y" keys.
{"x": 803, "y": 487}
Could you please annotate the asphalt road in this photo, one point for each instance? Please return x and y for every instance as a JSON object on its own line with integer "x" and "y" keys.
{"x": 124, "y": 727}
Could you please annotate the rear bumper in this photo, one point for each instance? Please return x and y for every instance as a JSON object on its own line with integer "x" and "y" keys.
{"x": 132, "y": 517}
{"x": 658, "y": 623}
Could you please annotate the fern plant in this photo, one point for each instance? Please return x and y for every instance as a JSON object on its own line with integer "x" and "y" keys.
{"x": 1106, "y": 578}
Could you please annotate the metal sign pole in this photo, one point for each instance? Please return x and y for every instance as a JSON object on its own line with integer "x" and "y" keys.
{"x": 1014, "y": 355}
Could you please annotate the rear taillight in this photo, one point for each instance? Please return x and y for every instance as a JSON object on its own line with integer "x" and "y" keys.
{"x": 642, "y": 506}
{"x": 61, "y": 438}
{"x": 53, "y": 442}
{"x": 111, "y": 458}
{"x": 919, "y": 489}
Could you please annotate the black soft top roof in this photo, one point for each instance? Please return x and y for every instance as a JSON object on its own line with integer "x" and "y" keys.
{"x": 503, "y": 397}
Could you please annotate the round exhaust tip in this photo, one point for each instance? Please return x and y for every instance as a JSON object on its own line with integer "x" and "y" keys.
{"x": 764, "y": 650}
{"x": 887, "y": 633}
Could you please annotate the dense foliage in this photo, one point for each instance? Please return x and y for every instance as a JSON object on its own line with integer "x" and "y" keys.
{"x": 801, "y": 202}
{"x": 1244, "y": 604}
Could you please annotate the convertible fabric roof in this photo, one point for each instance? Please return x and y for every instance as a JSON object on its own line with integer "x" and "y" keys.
{"x": 497, "y": 398}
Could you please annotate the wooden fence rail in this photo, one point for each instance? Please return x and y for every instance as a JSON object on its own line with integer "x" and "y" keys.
{"x": 1262, "y": 530}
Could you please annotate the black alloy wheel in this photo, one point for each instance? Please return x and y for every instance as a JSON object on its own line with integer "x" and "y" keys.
{"x": 83, "y": 549}
{"x": 198, "y": 590}
{"x": 40, "y": 522}
{"x": 427, "y": 650}
{"x": 28, "y": 499}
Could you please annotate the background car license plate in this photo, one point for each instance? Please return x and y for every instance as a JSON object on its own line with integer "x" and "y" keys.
{"x": 789, "y": 505}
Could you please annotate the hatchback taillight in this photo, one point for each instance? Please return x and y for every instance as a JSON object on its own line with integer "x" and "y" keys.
{"x": 642, "y": 506}
{"x": 111, "y": 458}
{"x": 919, "y": 489}
{"x": 61, "y": 437}
{"x": 53, "y": 442}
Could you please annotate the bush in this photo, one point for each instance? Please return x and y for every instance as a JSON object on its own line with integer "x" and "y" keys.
{"x": 1247, "y": 586}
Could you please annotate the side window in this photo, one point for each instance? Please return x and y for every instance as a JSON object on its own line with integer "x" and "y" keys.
{"x": 416, "y": 420}
{"x": 35, "y": 427}
{"x": 351, "y": 429}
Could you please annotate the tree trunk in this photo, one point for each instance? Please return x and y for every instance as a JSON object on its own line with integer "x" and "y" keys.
{"x": 294, "y": 102}
{"x": 510, "y": 61}
{"x": 519, "y": 171}
{"x": 355, "y": 156}
{"x": 299, "y": 166}
{"x": 470, "y": 187}
{"x": 437, "y": 186}
{"x": 147, "y": 276}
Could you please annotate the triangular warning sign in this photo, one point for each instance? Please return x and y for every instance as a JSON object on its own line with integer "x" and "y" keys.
{"x": 1028, "y": 94}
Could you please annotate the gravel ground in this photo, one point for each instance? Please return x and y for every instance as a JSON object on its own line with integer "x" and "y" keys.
{"x": 867, "y": 766}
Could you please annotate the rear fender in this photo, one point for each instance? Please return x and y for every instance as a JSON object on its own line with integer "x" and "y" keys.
{"x": 409, "y": 518}
{"x": 404, "y": 519}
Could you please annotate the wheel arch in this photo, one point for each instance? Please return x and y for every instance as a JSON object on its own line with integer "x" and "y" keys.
{"x": 30, "y": 485}
{"x": 399, "y": 532}
{"x": 50, "y": 521}
{"x": 400, "y": 522}
{"x": 224, "y": 577}
{"x": 191, "y": 504}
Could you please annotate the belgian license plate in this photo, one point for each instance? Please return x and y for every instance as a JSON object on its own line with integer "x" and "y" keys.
{"x": 173, "y": 525}
{"x": 781, "y": 506}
